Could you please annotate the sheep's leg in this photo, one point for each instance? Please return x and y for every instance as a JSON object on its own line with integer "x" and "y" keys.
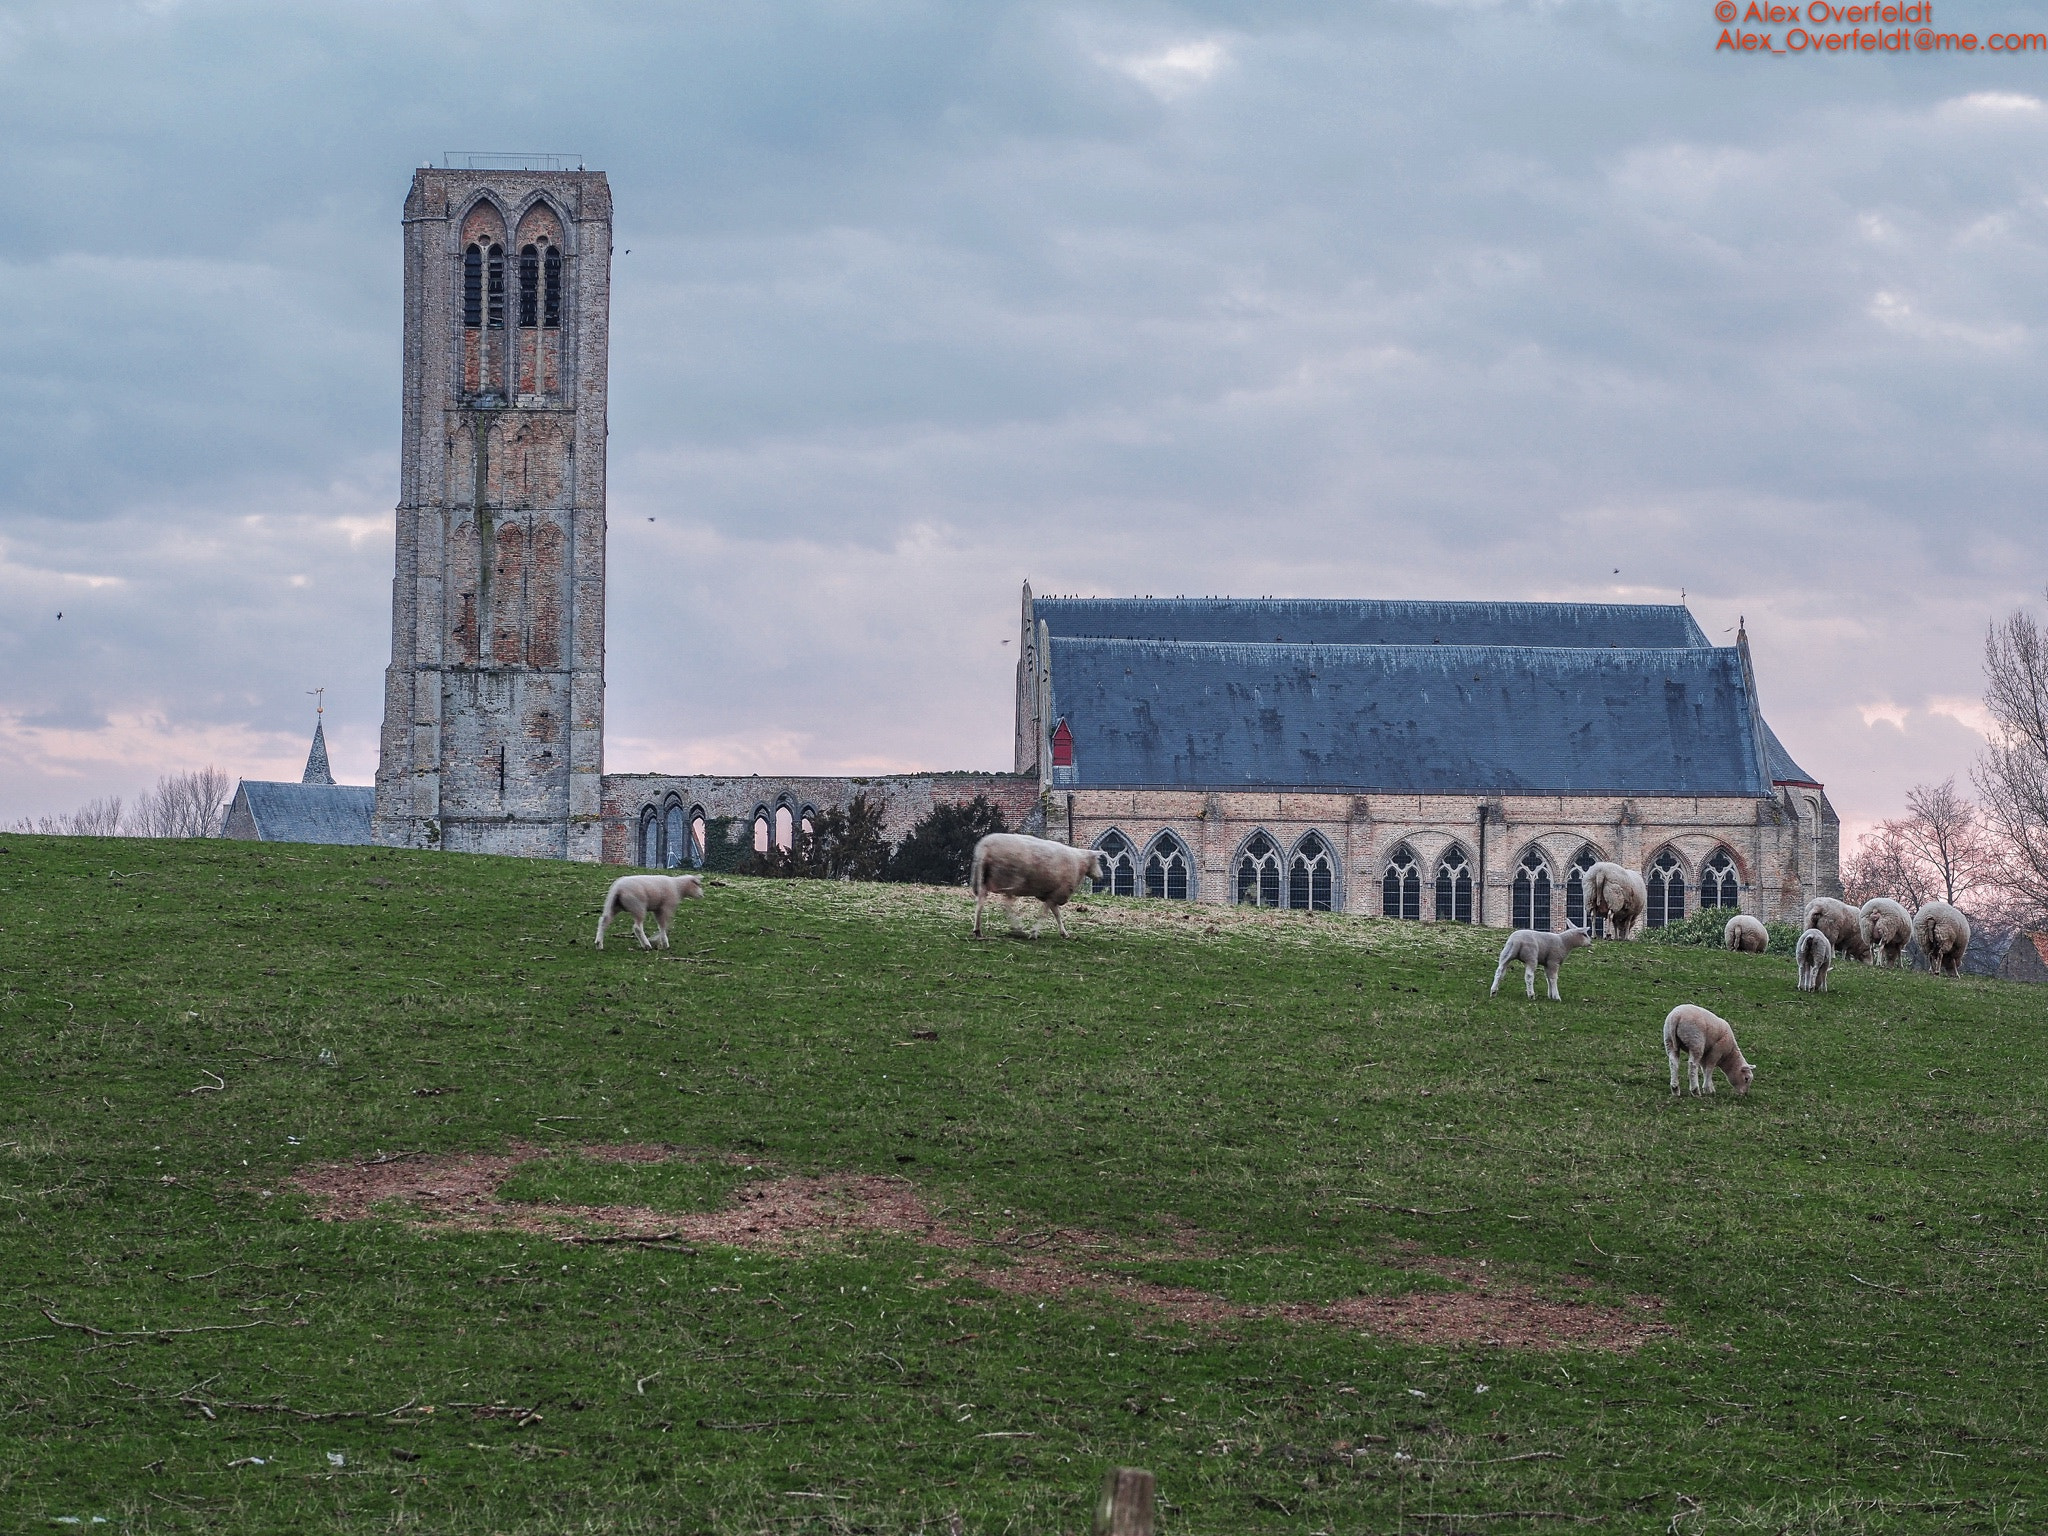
{"x": 1550, "y": 971}
{"x": 1498, "y": 972}
{"x": 1529, "y": 979}
{"x": 1059, "y": 921}
{"x": 980, "y": 901}
{"x": 1673, "y": 1055}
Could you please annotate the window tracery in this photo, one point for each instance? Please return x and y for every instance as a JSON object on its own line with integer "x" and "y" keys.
{"x": 1311, "y": 881}
{"x": 1575, "y": 894}
{"x": 1718, "y": 884}
{"x": 1401, "y": 886}
{"x": 1532, "y": 893}
{"x": 1256, "y": 879}
{"x": 1453, "y": 887}
{"x": 1166, "y": 868}
{"x": 1123, "y": 865}
{"x": 1666, "y": 881}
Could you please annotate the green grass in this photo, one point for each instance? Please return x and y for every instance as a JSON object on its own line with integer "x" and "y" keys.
{"x": 1853, "y": 1255}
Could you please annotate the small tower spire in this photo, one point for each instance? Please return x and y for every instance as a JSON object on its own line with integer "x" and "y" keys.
{"x": 317, "y": 771}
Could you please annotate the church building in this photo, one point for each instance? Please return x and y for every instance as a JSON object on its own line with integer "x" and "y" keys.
{"x": 1432, "y": 761}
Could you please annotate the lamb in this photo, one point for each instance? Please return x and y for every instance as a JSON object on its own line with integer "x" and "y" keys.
{"x": 1706, "y": 1042}
{"x": 1009, "y": 864}
{"x": 1842, "y": 923}
{"x": 1944, "y": 935}
{"x": 1746, "y": 935}
{"x": 1888, "y": 927}
{"x": 642, "y": 894}
{"x": 1618, "y": 895}
{"x": 1534, "y": 948}
{"x": 1814, "y": 954}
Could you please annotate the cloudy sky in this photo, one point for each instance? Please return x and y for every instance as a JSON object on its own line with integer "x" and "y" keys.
{"x": 1375, "y": 298}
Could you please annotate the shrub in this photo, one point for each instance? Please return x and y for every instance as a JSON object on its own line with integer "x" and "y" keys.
{"x": 1703, "y": 930}
{"x": 940, "y": 849}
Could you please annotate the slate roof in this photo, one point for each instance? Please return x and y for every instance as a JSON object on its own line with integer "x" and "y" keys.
{"x": 1443, "y": 719}
{"x": 317, "y": 771}
{"x": 307, "y": 813}
{"x": 1783, "y": 769}
{"x": 1370, "y": 621}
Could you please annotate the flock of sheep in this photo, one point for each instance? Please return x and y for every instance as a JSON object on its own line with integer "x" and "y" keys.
{"x": 1008, "y": 866}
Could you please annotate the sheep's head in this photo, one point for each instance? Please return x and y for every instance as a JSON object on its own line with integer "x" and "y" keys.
{"x": 1098, "y": 868}
{"x": 1743, "y": 1075}
{"x": 1576, "y": 938}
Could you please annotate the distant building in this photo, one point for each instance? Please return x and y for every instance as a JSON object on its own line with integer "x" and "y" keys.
{"x": 2010, "y": 954}
{"x": 314, "y": 810}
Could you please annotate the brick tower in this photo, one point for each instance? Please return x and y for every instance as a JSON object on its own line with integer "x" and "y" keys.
{"x": 493, "y": 736}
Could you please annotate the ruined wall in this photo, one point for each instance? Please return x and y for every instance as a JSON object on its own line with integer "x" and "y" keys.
{"x": 729, "y": 804}
{"x": 493, "y": 738}
{"x": 1768, "y": 843}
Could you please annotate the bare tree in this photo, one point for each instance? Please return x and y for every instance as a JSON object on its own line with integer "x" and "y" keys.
{"x": 2012, "y": 773}
{"x": 183, "y": 805}
{"x": 1939, "y": 850}
{"x": 96, "y": 818}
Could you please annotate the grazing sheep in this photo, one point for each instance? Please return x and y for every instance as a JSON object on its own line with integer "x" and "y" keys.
{"x": 1815, "y": 954}
{"x": 1944, "y": 935}
{"x": 1706, "y": 1042}
{"x": 1618, "y": 895}
{"x": 1746, "y": 935}
{"x": 1009, "y": 864}
{"x": 1533, "y": 949}
{"x": 1888, "y": 927}
{"x": 1842, "y": 923}
{"x": 642, "y": 894}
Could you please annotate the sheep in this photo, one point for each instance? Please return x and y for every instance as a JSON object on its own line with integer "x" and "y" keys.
{"x": 1815, "y": 954}
{"x": 1944, "y": 935}
{"x": 1842, "y": 923}
{"x": 1746, "y": 935}
{"x": 1009, "y": 864}
{"x": 1533, "y": 949}
{"x": 1618, "y": 895}
{"x": 1706, "y": 1042}
{"x": 642, "y": 894}
{"x": 1888, "y": 927}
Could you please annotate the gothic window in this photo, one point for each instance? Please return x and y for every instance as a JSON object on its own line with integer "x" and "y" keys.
{"x": 807, "y": 825}
{"x": 494, "y": 288}
{"x": 1453, "y": 887}
{"x": 1575, "y": 894}
{"x": 1311, "y": 875}
{"x": 785, "y": 824}
{"x": 650, "y": 839}
{"x": 1122, "y": 858}
{"x": 1667, "y": 890}
{"x": 529, "y": 285}
{"x": 1401, "y": 887}
{"x": 1532, "y": 893}
{"x": 1166, "y": 868}
{"x": 672, "y": 841}
{"x": 1718, "y": 885}
{"x": 473, "y": 287}
{"x": 551, "y": 306}
{"x": 1257, "y": 878}
{"x": 697, "y": 837}
{"x": 761, "y": 829}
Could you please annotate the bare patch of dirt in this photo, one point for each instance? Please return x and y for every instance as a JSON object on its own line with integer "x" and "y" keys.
{"x": 459, "y": 1192}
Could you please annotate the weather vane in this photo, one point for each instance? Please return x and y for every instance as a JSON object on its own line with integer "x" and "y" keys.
{"x": 319, "y": 703}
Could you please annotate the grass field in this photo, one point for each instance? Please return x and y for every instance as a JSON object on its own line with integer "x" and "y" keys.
{"x": 1234, "y": 1197}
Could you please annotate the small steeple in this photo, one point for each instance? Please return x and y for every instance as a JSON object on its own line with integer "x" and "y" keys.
{"x": 317, "y": 771}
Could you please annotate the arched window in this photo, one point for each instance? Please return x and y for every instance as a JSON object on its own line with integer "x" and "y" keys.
{"x": 551, "y": 306}
{"x": 1123, "y": 864}
{"x": 529, "y": 286}
{"x": 1453, "y": 887}
{"x": 697, "y": 837}
{"x": 1257, "y": 877}
{"x": 807, "y": 825}
{"x": 650, "y": 839}
{"x": 1311, "y": 875}
{"x": 473, "y": 287}
{"x": 1667, "y": 890}
{"x": 785, "y": 827}
{"x": 1401, "y": 886}
{"x": 1718, "y": 885}
{"x": 672, "y": 838}
{"x": 1532, "y": 892}
{"x": 1166, "y": 868}
{"x": 1575, "y": 894}
{"x": 494, "y": 287}
{"x": 762, "y": 829}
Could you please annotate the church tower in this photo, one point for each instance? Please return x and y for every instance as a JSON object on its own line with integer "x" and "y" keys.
{"x": 493, "y": 737}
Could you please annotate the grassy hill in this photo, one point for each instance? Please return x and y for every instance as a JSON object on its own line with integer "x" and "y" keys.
{"x": 925, "y": 1228}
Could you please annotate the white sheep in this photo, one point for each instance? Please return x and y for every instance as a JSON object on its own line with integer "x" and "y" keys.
{"x": 1888, "y": 927}
{"x": 1618, "y": 895}
{"x": 1746, "y": 935}
{"x": 1842, "y": 923}
{"x": 1534, "y": 948}
{"x": 1814, "y": 954}
{"x": 642, "y": 894}
{"x": 1009, "y": 864}
{"x": 1944, "y": 935}
{"x": 1705, "y": 1041}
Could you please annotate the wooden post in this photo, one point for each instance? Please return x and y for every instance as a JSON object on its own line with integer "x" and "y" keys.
{"x": 1125, "y": 1508}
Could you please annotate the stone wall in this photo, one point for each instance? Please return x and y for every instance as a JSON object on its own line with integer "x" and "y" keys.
{"x": 1771, "y": 845}
{"x": 729, "y": 804}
